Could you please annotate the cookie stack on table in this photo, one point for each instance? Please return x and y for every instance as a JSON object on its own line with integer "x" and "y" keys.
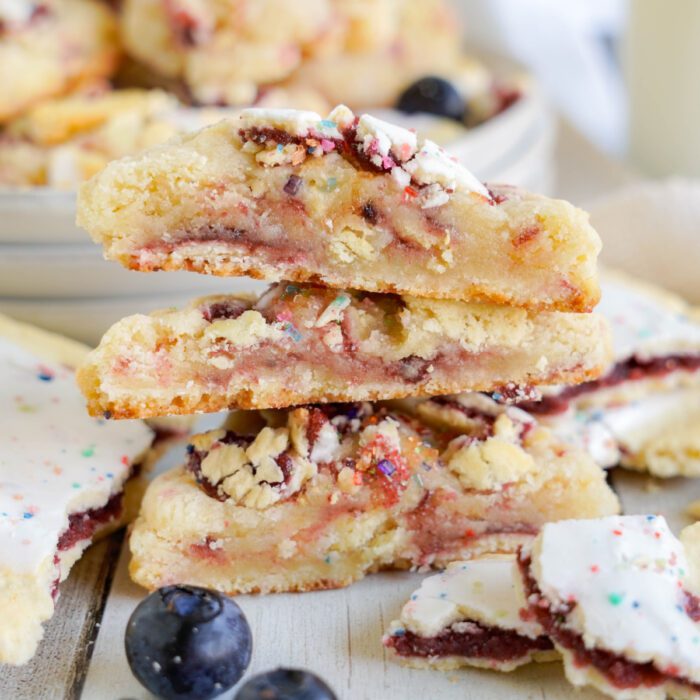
{"x": 403, "y": 278}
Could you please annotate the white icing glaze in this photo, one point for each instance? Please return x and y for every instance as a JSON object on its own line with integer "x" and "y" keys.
{"x": 642, "y": 325}
{"x": 587, "y": 430}
{"x": 634, "y": 424}
{"x": 388, "y": 146}
{"x": 432, "y": 164}
{"x": 625, "y": 575}
{"x": 482, "y": 590}
{"x": 292, "y": 121}
{"x": 54, "y": 459}
{"x": 327, "y": 444}
{"x": 387, "y": 139}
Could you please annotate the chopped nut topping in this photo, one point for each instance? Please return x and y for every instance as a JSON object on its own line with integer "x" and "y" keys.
{"x": 251, "y": 475}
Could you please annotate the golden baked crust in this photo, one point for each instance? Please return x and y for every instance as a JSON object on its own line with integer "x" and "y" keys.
{"x": 303, "y": 344}
{"x": 53, "y": 49}
{"x": 317, "y": 497}
{"x": 281, "y": 194}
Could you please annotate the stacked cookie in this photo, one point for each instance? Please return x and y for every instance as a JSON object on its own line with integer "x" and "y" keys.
{"x": 403, "y": 277}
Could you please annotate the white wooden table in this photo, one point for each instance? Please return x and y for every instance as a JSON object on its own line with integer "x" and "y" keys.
{"x": 334, "y": 633}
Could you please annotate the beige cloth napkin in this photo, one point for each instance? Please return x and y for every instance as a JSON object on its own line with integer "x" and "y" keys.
{"x": 652, "y": 230}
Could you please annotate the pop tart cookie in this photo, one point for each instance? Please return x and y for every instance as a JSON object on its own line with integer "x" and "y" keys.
{"x": 300, "y": 344}
{"x": 346, "y": 201}
{"x": 644, "y": 411}
{"x": 468, "y": 615}
{"x": 64, "y": 479}
{"x": 616, "y": 597}
{"x": 317, "y": 497}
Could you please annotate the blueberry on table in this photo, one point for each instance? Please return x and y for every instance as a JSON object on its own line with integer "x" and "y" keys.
{"x": 285, "y": 684}
{"x": 432, "y": 95}
{"x": 188, "y": 643}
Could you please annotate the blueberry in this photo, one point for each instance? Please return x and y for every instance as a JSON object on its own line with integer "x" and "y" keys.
{"x": 285, "y": 684}
{"x": 434, "y": 96}
{"x": 188, "y": 643}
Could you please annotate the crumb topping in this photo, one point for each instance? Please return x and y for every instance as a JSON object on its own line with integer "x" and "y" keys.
{"x": 425, "y": 172}
{"x": 255, "y": 473}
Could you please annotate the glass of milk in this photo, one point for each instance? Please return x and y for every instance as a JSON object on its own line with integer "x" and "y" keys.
{"x": 662, "y": 66}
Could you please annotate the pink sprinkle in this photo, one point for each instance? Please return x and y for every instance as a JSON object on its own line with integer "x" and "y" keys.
{"x": 595, "y": 569}
{"x": 405, "y": 151}
{"x": 327, "y": 145}
{"x": 373, "y": 146}
{"x": 125, "y": 460}
{"x": 284, "y": 316}
{"x": 387, "y": 163}
{"x": 617, "y": 532}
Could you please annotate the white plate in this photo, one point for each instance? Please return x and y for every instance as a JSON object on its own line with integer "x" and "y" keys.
{"x": 79, "y": 271}
{"x": 87, "y": 319}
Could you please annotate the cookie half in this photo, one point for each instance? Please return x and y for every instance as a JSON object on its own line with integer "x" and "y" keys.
{"x": 644, "y": 412}
{"x": 616, "y": 597}
{"x": 345, "y": 201}
{"x": 300, "y": 344}
{"x": 317, "y": 497}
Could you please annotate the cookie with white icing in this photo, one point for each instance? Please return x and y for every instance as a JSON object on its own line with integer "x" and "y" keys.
{"x": 468, "y": 615}
{"x": 644, "y": 412}
{"x": 616, "y": 597}
{"x": 347, "y": 201}
{"x": 64, "y": 478}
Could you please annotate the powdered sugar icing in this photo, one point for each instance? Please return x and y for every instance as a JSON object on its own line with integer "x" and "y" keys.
{"x": 387, "y": 146}
{"x": 626, "y": 577}
{"x": 644, "y": 326}
{"x": 54, "y": 459}
{"x": 482, "y": 590}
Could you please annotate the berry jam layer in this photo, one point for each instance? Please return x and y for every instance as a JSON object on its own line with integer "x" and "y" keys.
{"x": 470, "y": 640}
{"x": 302, "y": 344}
{"x": 618, "y": 671}
{"x": 82, "y": 526}
{"x": 631, "y": 370}
{"x": 347, "y": 201}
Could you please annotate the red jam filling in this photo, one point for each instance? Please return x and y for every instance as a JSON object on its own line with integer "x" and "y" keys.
{"x": 617, "y": 670}
{"x": 477, "y": 643}
{"x": 82, "y": 526}
{"x": 630, "y": 370}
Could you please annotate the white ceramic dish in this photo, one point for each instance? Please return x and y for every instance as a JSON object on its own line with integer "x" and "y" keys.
{"x": 79, "y": 271}
{"x": 88, "y": 319}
